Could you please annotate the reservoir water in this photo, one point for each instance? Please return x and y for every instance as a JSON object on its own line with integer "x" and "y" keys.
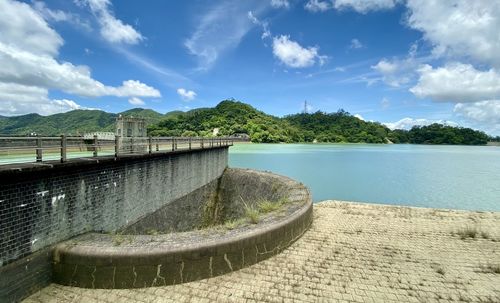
{"x": 456, "y": 177}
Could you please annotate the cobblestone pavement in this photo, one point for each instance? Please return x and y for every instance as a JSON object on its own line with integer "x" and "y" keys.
{"x": 353, "y": 253}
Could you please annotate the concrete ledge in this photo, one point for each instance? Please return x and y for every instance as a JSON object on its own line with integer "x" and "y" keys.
{"x": 133, "y": 261}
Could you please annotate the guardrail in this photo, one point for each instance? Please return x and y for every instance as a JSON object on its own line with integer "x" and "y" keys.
{"x": 39, "y": 149}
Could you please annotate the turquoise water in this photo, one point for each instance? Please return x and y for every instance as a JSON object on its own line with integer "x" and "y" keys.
{"x": 457, "y": 177}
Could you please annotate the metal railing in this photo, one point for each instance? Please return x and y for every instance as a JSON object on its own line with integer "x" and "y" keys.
{"x": 39, "y": 149}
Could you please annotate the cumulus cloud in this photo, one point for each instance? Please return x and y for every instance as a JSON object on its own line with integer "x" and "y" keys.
{"x": 16, "y": 99}
{"x": 112, "y": 29}
{"x": 365, "y": 6}
{"x": 25, "y": 28}
{"x": 30, "y": 68}
{"x": 294, "y": 55}
{"x": 318, "y": 6}
{"x": 457, "y": 82}
{"x": 186, "y": 95}
{"x": 136, "y": 101}
{"x": 280, "y": 3}
{"x": 483, "y": 111}
{"x": 459, "y": 28}
{"x": 408, "y": 123}
{"x": 396, "y": 72}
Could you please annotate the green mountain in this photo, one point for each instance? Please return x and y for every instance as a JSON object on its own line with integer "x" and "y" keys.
{"x": 230, "y": 117}
{"x": 76, "y": 122}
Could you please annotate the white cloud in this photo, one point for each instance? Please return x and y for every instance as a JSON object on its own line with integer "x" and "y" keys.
{"x": 457, "y": 82}
{"x": 483, "y": 111}
{"x": 364, "y": 6}
{"x": 356, "y": 44}
{"x": 30, "y": 69}
{"x": 220, "y": 30}
{"x": 385, "y": 67}
{"x": 359, "y": 117}
{"x": 294, "y": 55}
{"x": 112, "y": 30}
{"x": 16, "y": 99}
{"x": 397, "y": 72}
{"x": 22, "y": 26}
{"x": 136, "y": 101}
{"x": 280, "y": 3}
{"x": 459, "y": 28}
{"x": 186, "y": 95}
{"x": 28, "y": 57}
{"x": 318, "y": 6}
{"x": 60, "y": 16}
{"x": 408, "y": 123}
{"x": 265, "y": 26}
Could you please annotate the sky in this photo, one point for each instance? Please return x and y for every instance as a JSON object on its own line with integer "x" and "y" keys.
{"x": 399, "y": 62}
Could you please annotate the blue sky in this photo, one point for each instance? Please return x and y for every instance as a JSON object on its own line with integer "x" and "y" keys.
{"x": 398, "y": 62}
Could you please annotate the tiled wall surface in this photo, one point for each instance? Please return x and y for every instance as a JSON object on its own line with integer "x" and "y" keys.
{"x": 50, "y": 208}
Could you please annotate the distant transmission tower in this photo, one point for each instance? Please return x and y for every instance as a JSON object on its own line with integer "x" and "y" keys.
{"x": 305, "y": 107}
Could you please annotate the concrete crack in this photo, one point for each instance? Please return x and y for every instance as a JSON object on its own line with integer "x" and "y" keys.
{"x": 181, "y": 270}
{"x": 135, "y": 276}
{"x": 93, "y": 277}
{"x": 210, "y": 267}
{"x": 228, "y": 262}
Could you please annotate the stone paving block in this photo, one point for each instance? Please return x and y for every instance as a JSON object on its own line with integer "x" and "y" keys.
{"x": 353, "y": 252}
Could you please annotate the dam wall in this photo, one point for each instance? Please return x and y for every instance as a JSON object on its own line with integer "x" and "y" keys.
{"x": 44, "y": 204}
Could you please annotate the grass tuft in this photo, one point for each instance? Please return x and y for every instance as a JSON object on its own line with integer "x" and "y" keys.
{"x": 468, "y": 232}
{"x": 230, "y": 225}
{"x": 252, "y": 214}
{"x": 268, "y": 206}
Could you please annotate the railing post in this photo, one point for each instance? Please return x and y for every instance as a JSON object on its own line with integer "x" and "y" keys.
{"x": 157, "y": 145}
{"x": 117, "y": 145}
{"x": 95, "y": 145}
{"x": 63, "y": 148}
{"x": 132, "y": 142}
{"x": 189, "y": 143}
{"x": 201, "y": 144}
{"x": 150, "y": 144}
{"x": 38, "y": 149}
{"x": 173, "y": 143}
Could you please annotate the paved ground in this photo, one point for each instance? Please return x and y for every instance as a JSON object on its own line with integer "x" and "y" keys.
{"x": 353, "y": 252}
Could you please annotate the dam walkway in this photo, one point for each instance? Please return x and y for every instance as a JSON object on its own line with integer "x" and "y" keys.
{"x": 353, "y": 252}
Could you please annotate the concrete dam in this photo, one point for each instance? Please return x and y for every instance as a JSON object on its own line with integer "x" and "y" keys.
{"x": 141, "y": 220}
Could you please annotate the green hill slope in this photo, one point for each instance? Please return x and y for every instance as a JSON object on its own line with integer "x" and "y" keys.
{"x": 231, "y": 117}
{"x": 76, "y": 122}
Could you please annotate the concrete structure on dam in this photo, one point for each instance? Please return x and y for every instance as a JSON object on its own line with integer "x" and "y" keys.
{"x": 128, "y": 207}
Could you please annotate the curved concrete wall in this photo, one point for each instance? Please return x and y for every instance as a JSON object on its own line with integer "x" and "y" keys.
{"x": 98, "y": 261}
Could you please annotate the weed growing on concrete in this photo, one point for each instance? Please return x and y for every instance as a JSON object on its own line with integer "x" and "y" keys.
{"x": 252, "y": 214}
{"x": 152, "y": 232}
{"x": 230, "y": 225}
{"x": 266, "y": 206}
{"x": 468, "y": 232}
{"x": 119, "y": 239}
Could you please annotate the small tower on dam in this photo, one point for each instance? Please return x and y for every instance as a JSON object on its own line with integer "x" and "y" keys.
{"x": 131, "y": 133}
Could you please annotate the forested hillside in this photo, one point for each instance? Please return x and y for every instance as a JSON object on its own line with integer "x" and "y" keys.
{"x": 231, "y": 117}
